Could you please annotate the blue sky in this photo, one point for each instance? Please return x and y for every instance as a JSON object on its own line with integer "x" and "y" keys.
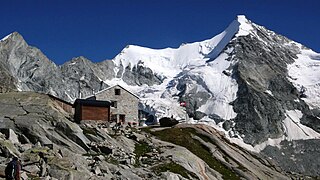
{"x": 100, "y": 29}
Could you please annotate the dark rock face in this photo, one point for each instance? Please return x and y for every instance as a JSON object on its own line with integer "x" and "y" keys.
{"x": 80, "y": 78}
{"x": 301, "y": 156}
{"x": 27, "y": 64}
{"x": 194, "y": 97}
{"x": 262, "y": 67}
{"x": 311, "y": 120}
{"x": 217, "y": 119}
{"x": 7, "y": 82}
{"x": 227, "y": 125}
{"x": 199, "y": 115}
{"x": 167, "y": 122}
{"x": 140, "y": 75}
{"x": 105, "y": 150}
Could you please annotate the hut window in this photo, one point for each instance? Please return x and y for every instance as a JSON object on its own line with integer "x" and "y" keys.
{"x": 117, "y": 92}
{"x": 114, "y": 104}
{"x": 114, "y": 118}
{"x": 122, "y": 118}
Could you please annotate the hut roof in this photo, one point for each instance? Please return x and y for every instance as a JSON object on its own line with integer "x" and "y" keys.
{"x": 90, "y": 102}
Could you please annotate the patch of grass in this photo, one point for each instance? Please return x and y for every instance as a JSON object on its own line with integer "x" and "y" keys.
{"x": 89, "y": 131}
{"x": 183, "y": 137}
{"x": 112, "y": 160}
{"x": 40, "y": 150}
{"x": 146, "y": 129}
{"x": 175, "y": 168}
{"x": 32, "y": 176}
{"x": 61, "y": 163}
{"x": 141, "y": 149}
{"x": 203, "y": 137}
{"x": 133, "y": 129}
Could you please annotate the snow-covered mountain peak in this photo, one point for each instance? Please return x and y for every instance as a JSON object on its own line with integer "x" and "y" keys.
{"x": 15, "y": 35}
{"x": 242, "y": 18}
{"x": 170, "y": 61}
{"x": 14, "y": 40}
{"x": 6, "y": 37}
{"x": 245, "y": 25}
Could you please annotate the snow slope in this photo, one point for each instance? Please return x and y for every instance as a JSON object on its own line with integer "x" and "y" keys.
{"x": 223, "y": 88}
{"x": 204, "y": 59}
{"x": 305, "y": 74}
{"x": 169, "y": 62}
{"x": 3, "y": 39}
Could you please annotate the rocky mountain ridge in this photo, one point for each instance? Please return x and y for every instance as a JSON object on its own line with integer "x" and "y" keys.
{"x": 28, "y": 69}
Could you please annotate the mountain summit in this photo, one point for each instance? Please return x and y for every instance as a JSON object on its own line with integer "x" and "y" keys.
{"x": 170, "y": 61}
{"x": 259, "y": 88}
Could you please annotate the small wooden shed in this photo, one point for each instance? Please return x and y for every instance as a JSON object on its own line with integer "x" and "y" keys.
{"x": 87, "y": 109}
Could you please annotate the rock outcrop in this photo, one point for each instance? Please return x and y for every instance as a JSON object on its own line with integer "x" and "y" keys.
{"x": 168, "y": 122}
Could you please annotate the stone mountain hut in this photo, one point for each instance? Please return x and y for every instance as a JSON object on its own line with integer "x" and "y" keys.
{"x": 113, "y": 104}
{"x": 123, "y": 104}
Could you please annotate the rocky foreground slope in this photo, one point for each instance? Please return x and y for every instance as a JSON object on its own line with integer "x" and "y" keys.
{"x": 52, "y": 146}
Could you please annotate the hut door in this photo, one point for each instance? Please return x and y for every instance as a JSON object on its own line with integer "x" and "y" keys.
{"x": 122, "y": 118}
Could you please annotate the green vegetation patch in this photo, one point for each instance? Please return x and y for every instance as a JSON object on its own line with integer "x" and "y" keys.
{"x": 43, "y": 150}
{"x": 112, "y": 160}
{"x": 32, "y": 176}
{"x": 141, "y": 149}
{"x": 61, "y": 163}
{"x": 175, "y": 168}
{"x": 183, "y": 137}
{"x": 88, "y": 130}
{"x": 146, "y": 129}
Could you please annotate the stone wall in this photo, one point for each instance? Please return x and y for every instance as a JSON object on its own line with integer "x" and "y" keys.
{"x": 63, "y": 104}
{"x": 126, "y": 103}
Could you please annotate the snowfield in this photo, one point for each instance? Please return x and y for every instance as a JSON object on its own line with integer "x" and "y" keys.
{"x": 305, "y": 74}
